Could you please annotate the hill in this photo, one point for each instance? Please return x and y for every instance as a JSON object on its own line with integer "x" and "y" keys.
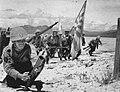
{"x": 31, "y": 29}
{"x": 110, "y": 33}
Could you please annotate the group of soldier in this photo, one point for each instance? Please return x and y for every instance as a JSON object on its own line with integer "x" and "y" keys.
{"x": 56, "y": 42}
{"x": 61, "y": 44}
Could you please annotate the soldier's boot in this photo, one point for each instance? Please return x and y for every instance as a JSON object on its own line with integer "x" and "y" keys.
{"x": 65, "y": 57}
{"x": 90, "y": 53}
{"x": 39, "y": 85}
{"x": 47, "y": 60}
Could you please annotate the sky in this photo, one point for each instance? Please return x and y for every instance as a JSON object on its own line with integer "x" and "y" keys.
{"x": 98, "y": 11}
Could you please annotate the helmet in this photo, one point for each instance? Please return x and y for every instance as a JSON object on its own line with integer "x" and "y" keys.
{"x": 55, "y": 31}
{"x": 66, "y": 32}
{"x": 98, "y": 37}
{"x": 18, "y": 33}
{"x": 37, "y": 31}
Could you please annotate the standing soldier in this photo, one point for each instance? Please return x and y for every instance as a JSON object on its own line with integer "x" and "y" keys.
{"x": 83, "y": 40}
{"x": 4, "y": 39}
{"x": 53, "y": 43}
{"x": 60, "y": 42}
{"x": 66, "y": 42}
{"x": 37, "y": 41}
{"x": 94, "y": 44}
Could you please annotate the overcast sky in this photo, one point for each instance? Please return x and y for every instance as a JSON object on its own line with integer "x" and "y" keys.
{"x": 100, "y": 11}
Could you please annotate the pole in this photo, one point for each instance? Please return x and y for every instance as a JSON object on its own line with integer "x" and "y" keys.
{"x": 116, "y": 73}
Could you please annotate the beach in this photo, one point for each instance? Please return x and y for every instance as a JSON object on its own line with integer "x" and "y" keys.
{"x": 88, "y": 74}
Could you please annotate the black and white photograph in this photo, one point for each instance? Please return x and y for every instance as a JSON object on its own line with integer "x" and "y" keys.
{"x": 59, "y": 45}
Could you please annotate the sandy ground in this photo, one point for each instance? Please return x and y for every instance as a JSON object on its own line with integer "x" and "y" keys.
{"x": 88, "y": 74}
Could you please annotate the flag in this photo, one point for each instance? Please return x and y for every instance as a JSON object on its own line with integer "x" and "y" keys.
{"x": 60, "y": 27}
{"x": 78, "y": 31}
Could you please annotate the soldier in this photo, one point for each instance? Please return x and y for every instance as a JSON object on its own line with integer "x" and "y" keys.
{"x": 66, "y": 42}
{"x": 19, "y": 59}
{"x": 4, "y": 39}
{"x": 53, "y": 42}
{"x": 93, "y": 44}
{"x": 37, "y": 41}
{"x": 83, "y": 40}
{"x": 60, "y": 50}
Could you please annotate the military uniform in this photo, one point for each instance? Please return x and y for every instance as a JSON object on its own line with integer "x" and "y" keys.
{"x": 93, "y": 45}
{"x": 38, "y": 41}
{"x": 53, "y": 42}
{"x": 19, "y": 58}
{"x": 17, "y": 62}
{"x": 4, "y": 41}
{"x": 66, "y": 42}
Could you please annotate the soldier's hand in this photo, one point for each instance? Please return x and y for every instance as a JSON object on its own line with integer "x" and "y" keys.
{"x": 25, "y": 76}
{"x": 43, "y": 53}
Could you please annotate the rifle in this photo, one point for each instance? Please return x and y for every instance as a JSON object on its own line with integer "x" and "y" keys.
{"x": 58, "y": 47}
{"x": 86, "y": 47}
{"x": 42, "y": 31}
{"x": 89, "y": 46}
{"x": 35, "y": 71}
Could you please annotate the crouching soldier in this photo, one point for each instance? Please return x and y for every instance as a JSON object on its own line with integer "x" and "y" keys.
{"x": 19, "y": 60}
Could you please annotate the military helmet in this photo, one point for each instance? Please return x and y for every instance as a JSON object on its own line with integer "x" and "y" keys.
{"x": 37, "y": 31}
{"x": 83, "y": 34}
{"x": 55, "y": 31}
{"x": 98, "y": 37}
{"x": 18, "y": 33}
{"x": 66, "y": 31}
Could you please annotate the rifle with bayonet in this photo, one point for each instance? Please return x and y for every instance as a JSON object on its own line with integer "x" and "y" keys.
{"x": 43, "y": 31}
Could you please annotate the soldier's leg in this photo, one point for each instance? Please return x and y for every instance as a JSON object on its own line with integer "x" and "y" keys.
{"x": 11, "y": 82}
{"x": 51, "y": 52}
{"x": 92, "y": 50}
{"x": 69, "y": 55}
{"x": 60, "y": 53}
{"x": 64, "y": 53}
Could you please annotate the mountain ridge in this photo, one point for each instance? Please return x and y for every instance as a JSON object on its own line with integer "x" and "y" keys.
{"x": 31, "y": 30}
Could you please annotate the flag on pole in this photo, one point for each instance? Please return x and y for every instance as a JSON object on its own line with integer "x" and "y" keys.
{"x": 78, "y": 32}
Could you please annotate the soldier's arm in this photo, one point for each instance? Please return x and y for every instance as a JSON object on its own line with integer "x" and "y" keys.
{"x": 7, "y": 65}
{"x": 100, "y": 42}
{"x": 90, "y": 43}
{"x": 34, "y": 56}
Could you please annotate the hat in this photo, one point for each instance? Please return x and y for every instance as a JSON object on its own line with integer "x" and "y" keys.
{"x": 18, "y": 33}
{"x": 37, "y": 31}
